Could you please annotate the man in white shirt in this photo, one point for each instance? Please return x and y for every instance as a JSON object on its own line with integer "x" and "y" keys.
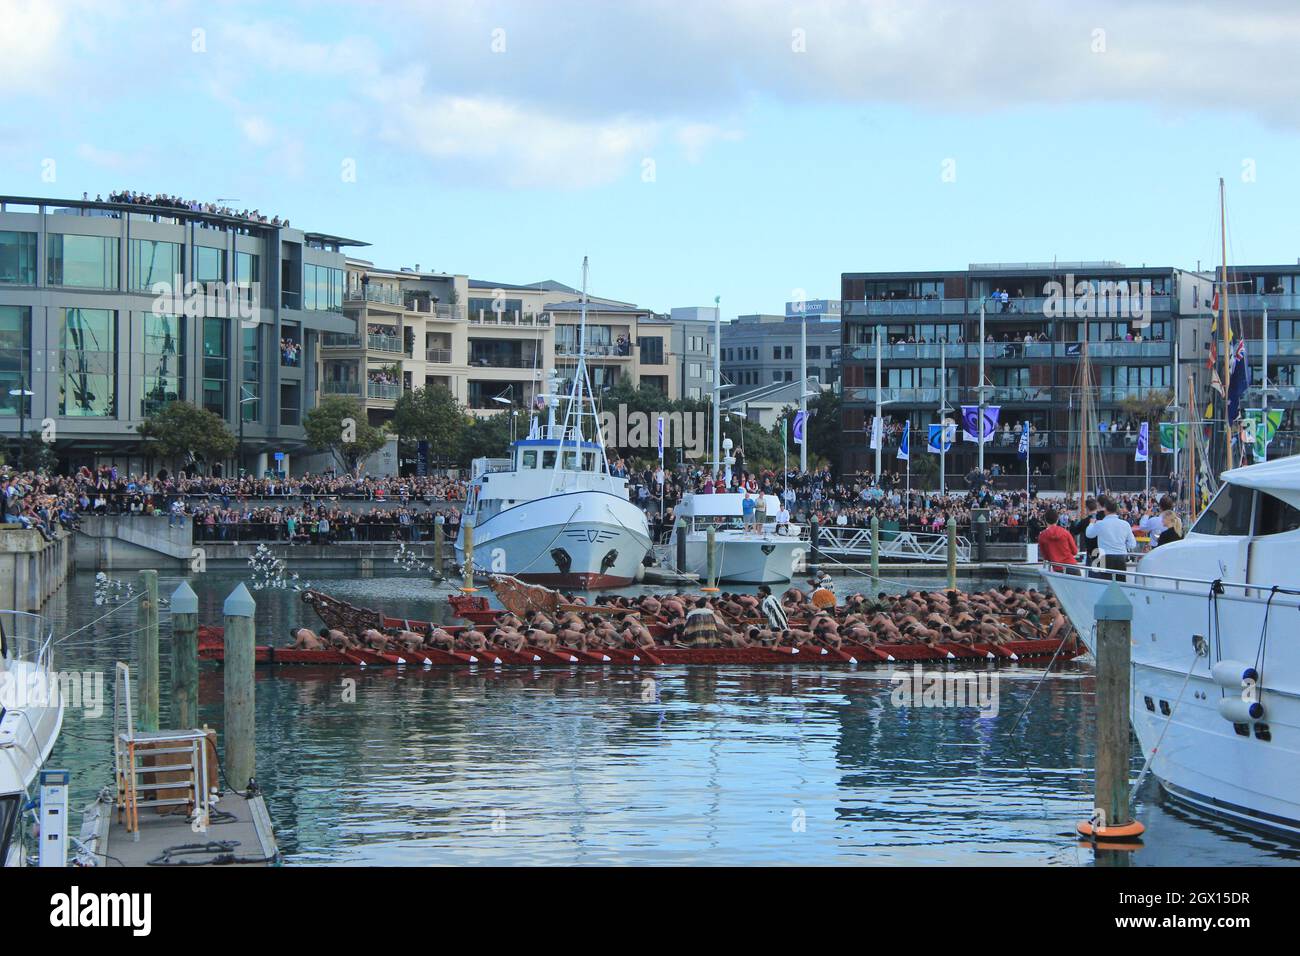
{"x": 783, "y": 520}
{"x": 1114, "y": 537}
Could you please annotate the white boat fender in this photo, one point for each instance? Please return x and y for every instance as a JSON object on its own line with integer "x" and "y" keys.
{"x": 536, "y": 658}
{"x": 951, "y": 656}
{"x": 853, "y": 660}
{"x": 889, "y": 657}
{"x": 1233, "y": 674}
{"x": 1240, "y": 711}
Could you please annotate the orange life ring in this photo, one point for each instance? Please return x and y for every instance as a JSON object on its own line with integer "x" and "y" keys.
{"x": 1127, "y": 831}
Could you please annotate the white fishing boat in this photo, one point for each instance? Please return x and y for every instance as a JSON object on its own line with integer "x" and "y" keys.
{"x": 31, "y": 714}
{"x": 745, "y": 554}
{"x": 552, "y": 513}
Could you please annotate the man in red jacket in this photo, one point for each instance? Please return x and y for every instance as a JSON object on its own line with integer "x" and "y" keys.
{"x": 1055, "y": 544}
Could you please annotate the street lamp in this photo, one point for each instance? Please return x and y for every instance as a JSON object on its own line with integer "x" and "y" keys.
{"x": 22, "y": 394}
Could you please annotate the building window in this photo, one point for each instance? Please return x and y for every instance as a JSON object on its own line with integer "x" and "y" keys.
{"x": 83, "y": 262}
{"x": 209, "y": 266}
{"x": 776, "y": 353}
{"x": 88, "y": 363}
{"x": 153, "y": 262}
{"x": 164, "y": 366}
{"x": 693, "y": 369}
{"x": 248, "y": 273}
{"x": 18, "y": 258}
{"x": 322, "y": 289}
{"x": 789, "y": 351}
{"x": 693, "y": 392}
{"x": 15, "y": 347}
{"x": 250, "y": 374}
{"x": 814, "y": 352}
{"x": 652, "y": 350}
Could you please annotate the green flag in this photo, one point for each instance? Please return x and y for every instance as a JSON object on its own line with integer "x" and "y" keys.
{"x": 1266, "y": 426}
{"x": 1167, "y": 432}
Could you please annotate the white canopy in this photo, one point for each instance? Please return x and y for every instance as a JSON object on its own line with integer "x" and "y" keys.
{"x": 724, "y": 505}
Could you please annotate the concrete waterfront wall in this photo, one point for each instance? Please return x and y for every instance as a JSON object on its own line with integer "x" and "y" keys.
{"x": 131, "y": 543}
{"x": 32, "y": 568}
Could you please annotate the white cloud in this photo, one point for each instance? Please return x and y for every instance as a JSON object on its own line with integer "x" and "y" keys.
{"x": 256, "y": 130}
{"x": 696, "y": 138}
{"x": 29, "y": 35}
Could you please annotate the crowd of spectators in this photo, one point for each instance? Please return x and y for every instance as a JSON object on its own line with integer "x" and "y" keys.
{"x": 289, "y": 352}
{"x": 167, "y": 201}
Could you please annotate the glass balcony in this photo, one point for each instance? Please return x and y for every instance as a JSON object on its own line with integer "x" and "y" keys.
{"x": 341, "y": 388}
{"x": 1277, "y": 302}
{"x": 385, "y": 343}
{"x": 440, "y": 356}
{"x": 340, "y": 340}
{"x": 387, "y": 393}
{"x": 1276, "y": 347}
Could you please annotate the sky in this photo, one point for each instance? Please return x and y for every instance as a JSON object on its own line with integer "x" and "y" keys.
{"x": 747, "y": 149}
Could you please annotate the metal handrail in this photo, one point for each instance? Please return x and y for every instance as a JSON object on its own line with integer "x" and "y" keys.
{"x": 1178, "y": 582}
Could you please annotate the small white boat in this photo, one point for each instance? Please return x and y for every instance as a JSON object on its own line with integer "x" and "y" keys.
{"x": 31, "y": 714}
{"x": 1216, "y": 663}
{"x": 744, "y": 555}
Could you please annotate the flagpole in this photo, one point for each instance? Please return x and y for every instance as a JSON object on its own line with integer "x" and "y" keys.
{"x": 880, "y": 441}
{"x": 803, "y": 390}
{"x": 907, "y": 501}
{"x": 981, "y": 389}
{"x": 943, "y": 407}
{"x": 1226, "y": 331}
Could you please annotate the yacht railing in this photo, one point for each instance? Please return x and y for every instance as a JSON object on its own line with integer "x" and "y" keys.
{"x": 25, "y": 636}
{"x": 1166, "y": 582}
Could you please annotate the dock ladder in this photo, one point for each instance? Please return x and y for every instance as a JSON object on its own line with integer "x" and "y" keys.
{"x": 188, "y": 748}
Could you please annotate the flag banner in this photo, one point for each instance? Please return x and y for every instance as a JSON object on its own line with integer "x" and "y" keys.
{"x": 799, "y": 421}
{"x": 904, "y": 450}
{"x": 661, "y": 437}
{"x": 1140, "y": 453}
{"x": 1168, "y": 431}
{"x": 877, "y": 431}
{"x": 948, "y": 433}
{"x": 1238, "y": 380}
{"x": 1023, "y": 451}
{"x": 1266, "y": 425}
{"x": 1073, "y": 348}
{"x": 970, "y": 415}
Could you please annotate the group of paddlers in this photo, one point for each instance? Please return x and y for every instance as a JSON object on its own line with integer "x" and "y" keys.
{"x": 797, "y": 618}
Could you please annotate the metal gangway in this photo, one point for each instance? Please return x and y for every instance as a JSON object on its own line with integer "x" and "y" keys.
{"x": 894, "y": 545}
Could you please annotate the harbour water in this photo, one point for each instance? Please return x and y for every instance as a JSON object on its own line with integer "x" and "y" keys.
{"x": 795, "y": 765}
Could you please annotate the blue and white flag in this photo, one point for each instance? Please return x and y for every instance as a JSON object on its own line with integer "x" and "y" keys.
{"x": 877, "y": 431}
{"x": 1141, "y": 453}
{"x": 947, "y": 431}
{"x": 661, "y": 437}
{"x": 970, "y": 416}
{"x": 799, "y": 422}
{"x": 1023, "y": 451}
{"x": 903, "y": 446}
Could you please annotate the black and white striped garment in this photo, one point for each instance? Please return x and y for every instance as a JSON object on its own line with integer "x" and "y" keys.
{"x": 774, "y": 612}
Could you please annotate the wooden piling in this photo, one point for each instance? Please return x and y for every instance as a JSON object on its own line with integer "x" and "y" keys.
{"x": 147, "y": 642}
{"x": 439, "y": 562}
{"x": 1114, "y": 616}
{"x": 681, "y": 546}
{"x": 185, "y": 657}
{"x": 712, "y": 553}
{"x": 952, "y": 553}
{"x": 468, "y": 586}
{"x": 875, "y": 549}
{"x": 241, "y": 721}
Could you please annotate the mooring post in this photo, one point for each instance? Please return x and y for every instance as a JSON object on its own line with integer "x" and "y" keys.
{"x": 1114, "y": 616}
{"x": 439, "y": 565}
{"x": 147, "y": 641}
{"x": 681, "y": 546}
{"x": 712, "y": 546}
{"x": 875, "y": 548}
{"x": 952, "y": 553}
{"x": 241, "y": 718}
{"x": 185, "y": 657}
{"x": 468, "y": 586}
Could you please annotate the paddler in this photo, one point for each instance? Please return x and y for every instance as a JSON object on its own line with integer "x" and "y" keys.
{"x": 701, "y": 625}
{"x": 305, "y": 640}
{"x": 823, "y": 595}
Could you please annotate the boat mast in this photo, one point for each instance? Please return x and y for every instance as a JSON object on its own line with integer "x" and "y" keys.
{"x": 1224, "y": 329}
{"x": 1085, "y": 376}
{"x": 1191, "y": 443}
{"x": 717, "y": 384}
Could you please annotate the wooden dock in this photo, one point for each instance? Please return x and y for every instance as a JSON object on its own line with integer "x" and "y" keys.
{"x": 239, "y": 834}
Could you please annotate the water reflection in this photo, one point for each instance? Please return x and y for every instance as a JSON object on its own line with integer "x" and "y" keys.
{"x": 810, "y": 765}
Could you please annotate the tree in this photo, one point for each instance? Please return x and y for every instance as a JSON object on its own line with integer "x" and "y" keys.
{"x": 339, "y": 425}
{"x": 430, "y": 414}
{"x": 1149, "y": 408}
{"x": 822, "y": 432}
{"x": 182, "y": 430}
{"x": 487, "y": 437}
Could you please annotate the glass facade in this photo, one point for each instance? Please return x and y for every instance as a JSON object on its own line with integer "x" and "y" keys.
{"x": 248, "y": 274}
{"x": 250, "y": 373}
{"x": 154, "y": 262}
{"x": 88, "y": 363}
{"x": 83, "y": 262}
{"x": 18, "y": 258}
{"x": 209, "y": 265}
{"x": 216, "y": 355}
{"x": 15, "y": 349}
{"x": 164, "y": 367}
{"x": 322, "y": 289}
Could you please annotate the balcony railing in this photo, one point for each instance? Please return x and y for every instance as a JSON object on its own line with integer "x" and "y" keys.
{"x": 340, "y": 340}
{"x": 1276, "y": 347}
{"x": 1063, "y": 395}
{"x": 594, "y": 351}
{"x": 513, "y": 318}
{"x": 385, "y": 343}
{"x": 341, "y": 388}
{"x": 387, "y": 393}
{"x": 374, "y": 293}
{"x": 1278, "y": 301}
{"x": 1104, "y": 307}
{"x": 970, "y": 351}
{"x": 438, "y": 310}
{"x": 502, "y": 361}
{"x": 440, "y": 356}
